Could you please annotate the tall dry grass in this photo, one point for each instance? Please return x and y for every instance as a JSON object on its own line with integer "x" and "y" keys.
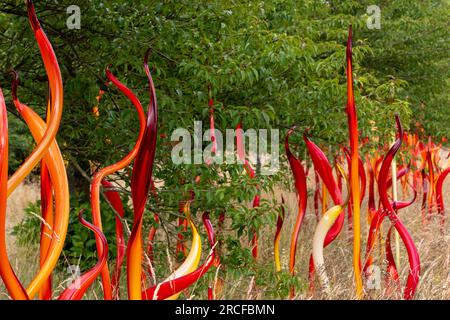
{"x": 21, "y": 259}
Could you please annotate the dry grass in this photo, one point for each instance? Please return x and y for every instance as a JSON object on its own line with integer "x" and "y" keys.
{"x": 19, "y": 200}
{"x": 432, "y": 242}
